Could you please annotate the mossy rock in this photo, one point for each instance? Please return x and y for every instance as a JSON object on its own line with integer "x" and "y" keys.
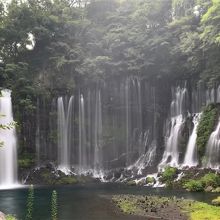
{"x": 131, "y": 183}
{"x": 169, "y": 175}
{"x": 141, "y": 182}
{"x": 209, "y": 189}
{"x": 67, "y": 180}
{"x": 26, "y": 161}
{"x": 150, "y": 180}
{"x": 216, "y": 201}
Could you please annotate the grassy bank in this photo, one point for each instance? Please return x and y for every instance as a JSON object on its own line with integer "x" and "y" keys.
{"x": 156, "y": 207}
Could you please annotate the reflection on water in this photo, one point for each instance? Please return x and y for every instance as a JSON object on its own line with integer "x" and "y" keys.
{"x": 83, "y": 202}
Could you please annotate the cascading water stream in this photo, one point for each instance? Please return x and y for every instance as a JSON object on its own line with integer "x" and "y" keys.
{"x": 128, "y": 122}
{"x": 190, "y": 158}
{"x": 213, "y": 149}
{"x": 98, "y": 133}
{"x": 171, "y": 153}
{"x": 8, "y": 152}
{"x": 64, "y": 134}
{"x": 82, "y": 136}
{"x": 37, "y": 138}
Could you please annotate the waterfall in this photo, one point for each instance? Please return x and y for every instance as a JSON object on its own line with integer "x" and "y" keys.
{"x": 190, "y": 158}
{"x": 37, "y": 138}
{"x": 210, "y": 96}
{"x": 82, "y": 136}
{"x": 213, "y": 149}
{"x": 98, "y": 133}
{"x": 8, "y": 152}
{"x": 128, "y": 121}
{"x": 218, "y": 94}
{"x": 64, "y": 133}
{"x": 178, "y": 106}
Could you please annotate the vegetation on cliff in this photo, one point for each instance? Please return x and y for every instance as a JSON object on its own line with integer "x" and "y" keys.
{"x": 205, "y": 128}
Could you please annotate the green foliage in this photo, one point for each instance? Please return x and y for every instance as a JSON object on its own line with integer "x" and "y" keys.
{"x": 7, "y": 126}
{"x": 54, "y": 206}
{"x": 168, "y": 175}
{"x": 103, "y": 39}
{"x": 211, "y": 19}
{"x": 205, "y": 127}
{"x": 10, "y": 217}
{"x": 30, "y": 204}
{"x": 211, "y": 179}
{"x": 201, "y": 211}
{"x": 126, "y": 205}
{"x": 194, "y": 186}
{"x": 73, "y": 46}
{"x": 150, "y": 180}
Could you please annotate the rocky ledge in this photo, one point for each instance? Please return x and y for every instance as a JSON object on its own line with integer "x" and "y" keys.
{"x": 50, "y": 175}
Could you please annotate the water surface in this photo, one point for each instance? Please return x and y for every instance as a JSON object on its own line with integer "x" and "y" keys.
{"x": 83, "y": 202}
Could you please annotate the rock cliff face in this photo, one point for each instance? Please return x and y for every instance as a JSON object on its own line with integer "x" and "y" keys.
{"x": 122, "y": 123}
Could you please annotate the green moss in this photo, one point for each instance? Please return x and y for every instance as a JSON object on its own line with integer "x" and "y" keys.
{"x": 48, "y": 177}
{"x": 10, "y": 217}
{"x": 67, "y": 180}
{"x": 194, "y": 186}
{"x": 208, "y": 181}
{"x": 211, "y": 179}
{"x": 202, "y": 211}
{"x": 127, "y": 206}
{"x": 193, "y": 210}
{"x": 150, "y": 180}
{"x": 168, "y": 176}
{"x": 216, "y": 201}
{"x": 26, "y": 161}
{"x": 205, "y": 127}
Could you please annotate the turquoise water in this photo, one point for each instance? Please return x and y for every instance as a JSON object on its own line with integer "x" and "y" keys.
{"x": 83, "y": 202}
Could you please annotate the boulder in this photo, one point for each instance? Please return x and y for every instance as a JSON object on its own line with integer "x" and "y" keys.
{"x": 209, "y": 189}
{"x": 216, "y": 201}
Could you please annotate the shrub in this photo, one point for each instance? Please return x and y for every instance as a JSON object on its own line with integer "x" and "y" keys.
{"x": 30, "y": 203}
{"x": 54, "y": 205}
{"x": 205, "y": 127}
{"x": 194, "y": 186}
{"x": 169, "y": 174}
{"x": 211, "y": 179}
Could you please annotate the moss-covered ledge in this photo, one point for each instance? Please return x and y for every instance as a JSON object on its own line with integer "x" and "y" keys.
{"x": 206, "y": 126}
{"x": 157, "y": 207}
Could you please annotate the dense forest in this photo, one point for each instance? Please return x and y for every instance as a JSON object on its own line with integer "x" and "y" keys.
{"x": 53, "y": 46}
{"x": 119, "y": 91}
